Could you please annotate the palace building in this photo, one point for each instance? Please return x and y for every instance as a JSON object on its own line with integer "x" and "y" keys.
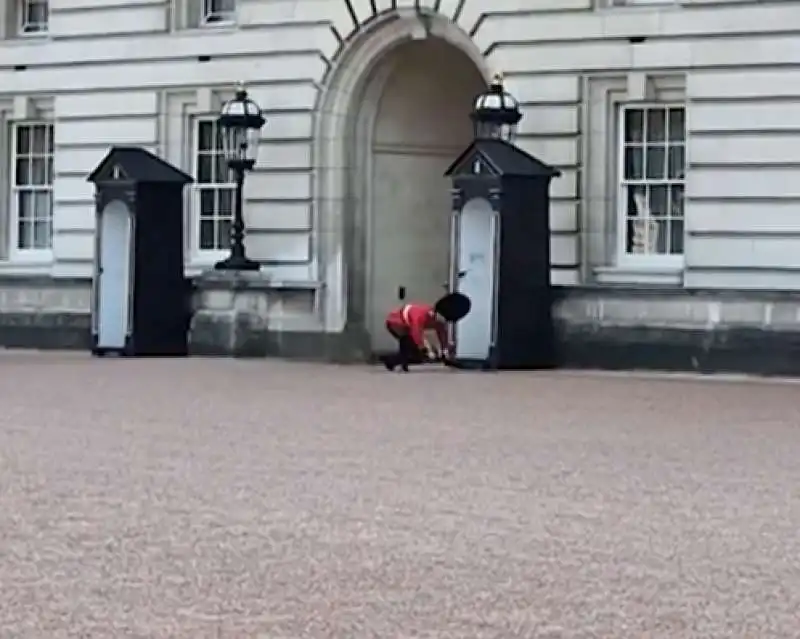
{"x": 674, "y": 124}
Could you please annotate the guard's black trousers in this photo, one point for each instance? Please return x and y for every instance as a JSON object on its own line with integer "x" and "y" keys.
{"x": 407, "y": 350}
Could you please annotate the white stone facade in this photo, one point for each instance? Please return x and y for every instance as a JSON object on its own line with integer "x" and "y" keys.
{"x": 344, "y": 117}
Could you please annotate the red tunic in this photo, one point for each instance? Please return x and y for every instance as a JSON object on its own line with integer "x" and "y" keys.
{"x": 416, "y": 319}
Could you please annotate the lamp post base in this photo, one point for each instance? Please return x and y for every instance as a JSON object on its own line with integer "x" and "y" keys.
{"x": 237, "y": 263}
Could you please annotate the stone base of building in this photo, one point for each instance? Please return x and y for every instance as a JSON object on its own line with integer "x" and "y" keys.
{"x": 45, "y": 330}
{"x": 43, "y": 313}
{"x": 245, "y": 315}
{"x": 679, "y": 330}
{"x": 750, "y": 351}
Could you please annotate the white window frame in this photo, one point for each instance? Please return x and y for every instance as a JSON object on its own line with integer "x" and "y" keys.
{"x": 200, "y": 255}
{"x": 26, "y": 28}
{"x": 210, "y": 17}
{"x": 653, "y": 260}
{"x": 29, "y": 254}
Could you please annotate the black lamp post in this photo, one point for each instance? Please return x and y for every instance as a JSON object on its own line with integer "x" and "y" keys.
{"x": 496, "y": 114}
{"x": 240, "y": 122}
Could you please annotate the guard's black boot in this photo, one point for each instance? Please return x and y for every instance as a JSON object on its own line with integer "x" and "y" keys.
{"x": 389, "y": 361}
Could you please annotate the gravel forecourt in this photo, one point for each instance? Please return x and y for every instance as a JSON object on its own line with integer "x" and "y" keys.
{"x": 203, "y": 498}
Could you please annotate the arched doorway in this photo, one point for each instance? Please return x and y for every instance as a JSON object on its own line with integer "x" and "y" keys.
{"x": 393, "y": 114}
{"x": 414, "y": 119}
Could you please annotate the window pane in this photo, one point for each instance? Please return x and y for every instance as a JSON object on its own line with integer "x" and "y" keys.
{"x": 207, "y": 204}
{"x": 39, "y": 12}
{"x": 676, "y": 162}
{"x": 23, "y": 172}
{"x": 225, "y": 203}
{"x": 41, "y": 234}
{"x": 637, "y": 201}
{"x": 655, "y": 162}
{"x": 24, "y": 234}
{"x": 635, "y": 213}
{"x": 646, "y": 236}
{"x": 224, "y": 234}
{"x": 38, "y": 171}
{"x": 219, "y": 8}
{"x": 50, "y": 170}
{"x": 643, "y": 235}
{"x": 221, "y": 172}
{"x": 23, "y": 140}
{"x": 39, "y": 144}
{"x": 207, "y": 234}
{"x": 41, "y": 201}
{"x": 676, "y": 237}
{"x": 220, "y": 140}
{"x": 634, "y": 125}
{"x": 205, "y": 136}
{"x": 634, "y": 158}
{"x": 676, "y": 200}
{"x": 659, "y": 239}
{"x": 25, "y": 205}
{"x": 656, "y": 125}
{"x": 677, "y": 125}
{"x": 658, "y": 200}
{"x": 204, "y": 169}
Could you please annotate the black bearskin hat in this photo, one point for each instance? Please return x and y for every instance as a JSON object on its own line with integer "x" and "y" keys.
{"x": 453, "y": 306}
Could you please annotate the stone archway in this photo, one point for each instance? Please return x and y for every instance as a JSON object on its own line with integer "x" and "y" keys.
{"x": 393, "y": 115}
{"x": 416, "y": 116}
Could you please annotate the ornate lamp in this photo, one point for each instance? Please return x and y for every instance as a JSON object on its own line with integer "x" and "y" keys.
{"x": 240, "y": 122}
{"x": 496, "y": 114}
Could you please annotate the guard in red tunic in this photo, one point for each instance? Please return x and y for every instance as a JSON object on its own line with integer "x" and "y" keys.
{"x": 409, "y": 323}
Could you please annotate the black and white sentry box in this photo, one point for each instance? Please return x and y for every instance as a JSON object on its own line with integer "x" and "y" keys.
{"x": 139, "y": 292}
{"x": 501, "y": 257}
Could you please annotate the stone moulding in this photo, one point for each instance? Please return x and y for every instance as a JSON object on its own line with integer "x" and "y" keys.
{"x": 340, "y": 212}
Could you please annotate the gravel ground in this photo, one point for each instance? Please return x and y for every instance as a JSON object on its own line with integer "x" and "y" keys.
{"x": 246, "y": 499}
